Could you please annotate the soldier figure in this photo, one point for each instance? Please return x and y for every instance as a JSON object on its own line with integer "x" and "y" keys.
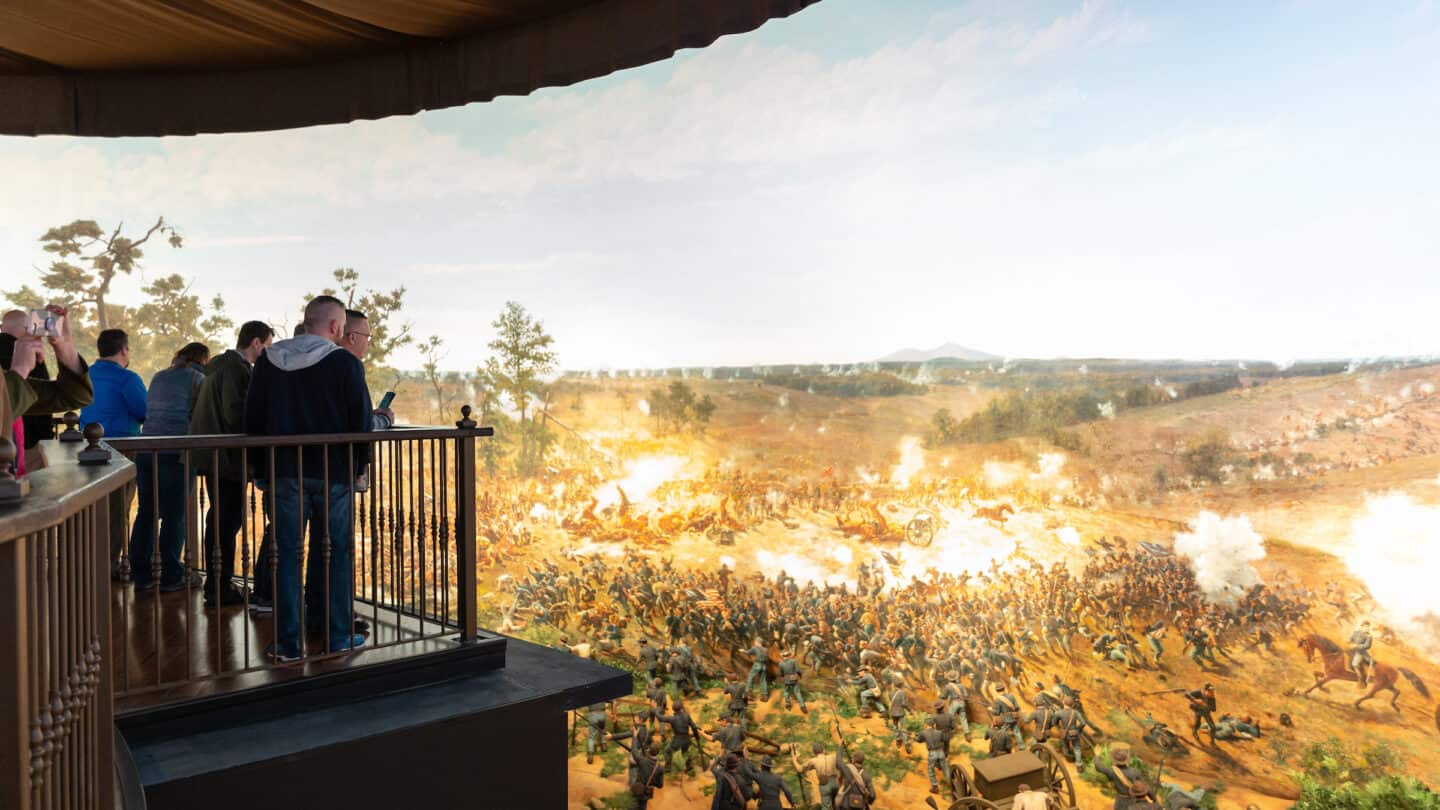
{"x": 1072, "y": 723}
{"x": 1202, "y": 705}
{"x": 899, "y": 704}
{"x": 869, "y": 691}
{"x": 957, "y": 697}
{"x": 739, "y": 697}
{"x": 1007, "y": 711}
{"x": 681, "y": 727}
{"x": 658, "y": 697}
{"x": 646, "y": 773}
{"x": 595, "y": 718}
{"x": 827, "y": 773}
{"x": 1001, "y": 741}
{"x": 649, "y": 660}
{"x": 730, "y": 735}
{"x": 731, "y": 792}
{"x": 1360, "y": 660}
{"x": 760, "y": 656}
{"x": 944, "y": 723}
{"x": 1124, "y": 777}
{"x": 936, "y": 749}
{"x": 790, "y": 680}
{"x": 1155, "y": 635}
{"x": 770, "y": 786}
{"x": 857, "y": 792}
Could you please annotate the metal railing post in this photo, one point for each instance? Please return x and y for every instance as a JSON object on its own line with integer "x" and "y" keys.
{"x": 465, "y": 534}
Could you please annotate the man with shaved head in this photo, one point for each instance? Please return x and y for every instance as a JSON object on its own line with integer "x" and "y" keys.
{"x": 306, "y": 385}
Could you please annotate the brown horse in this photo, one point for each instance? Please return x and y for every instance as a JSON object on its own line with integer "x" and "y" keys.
{"x": 1383, "y": 677}
{"x": 995, "y": 514}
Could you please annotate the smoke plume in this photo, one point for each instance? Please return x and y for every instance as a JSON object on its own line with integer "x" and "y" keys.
{"x": 1220, "y": 550}
{"x": 1393, "y": 548}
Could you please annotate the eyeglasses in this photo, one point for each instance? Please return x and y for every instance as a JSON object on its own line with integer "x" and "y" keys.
{"x": 366, "y": 334}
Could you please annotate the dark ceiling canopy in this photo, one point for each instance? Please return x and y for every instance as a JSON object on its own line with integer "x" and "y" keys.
{"x": 180, "y": 67}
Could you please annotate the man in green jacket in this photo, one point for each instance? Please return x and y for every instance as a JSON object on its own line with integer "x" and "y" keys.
{"x": 220, "y": 408}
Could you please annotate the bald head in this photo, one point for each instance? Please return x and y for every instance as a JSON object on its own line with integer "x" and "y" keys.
{"x": 13, "y": 323}
{"x": 325, "y": 317}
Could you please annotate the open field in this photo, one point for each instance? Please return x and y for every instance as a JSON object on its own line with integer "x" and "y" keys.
{"x": 1308, "y": 461}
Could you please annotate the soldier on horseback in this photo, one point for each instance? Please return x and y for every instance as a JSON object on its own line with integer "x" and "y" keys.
{"x": 1360, "y": 659}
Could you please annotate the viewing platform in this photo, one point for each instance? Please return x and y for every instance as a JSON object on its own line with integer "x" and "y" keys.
{"x": 120, "y": 696}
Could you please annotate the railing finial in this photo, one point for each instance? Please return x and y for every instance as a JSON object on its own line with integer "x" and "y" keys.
{"x": 72, "y": 431}
{"x": 465, "y": 420}
{"x": 94, "y": 454}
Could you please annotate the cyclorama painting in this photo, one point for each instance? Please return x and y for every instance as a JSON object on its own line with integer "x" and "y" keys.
{"x": 1026, "y": 562}
{"x": 1219, "y": 568}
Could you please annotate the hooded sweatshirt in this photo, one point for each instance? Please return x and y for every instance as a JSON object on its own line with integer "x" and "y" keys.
{"x": 308, "y": 385}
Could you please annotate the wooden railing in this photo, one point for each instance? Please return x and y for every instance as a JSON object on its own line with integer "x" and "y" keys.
{"x": 79, "y": 637}
{"x": 406, "y": 560}
{"x": 56, "y": 728}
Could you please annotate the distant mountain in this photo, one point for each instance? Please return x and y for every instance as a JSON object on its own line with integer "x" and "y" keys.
{"x": 953, "y": 350}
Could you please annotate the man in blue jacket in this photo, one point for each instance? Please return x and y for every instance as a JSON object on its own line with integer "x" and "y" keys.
{"x": 119, "y": 404}
{"x": 308, "y": 385}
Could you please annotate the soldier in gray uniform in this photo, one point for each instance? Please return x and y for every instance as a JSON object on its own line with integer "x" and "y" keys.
{"x": 944, "y": 723}
{"x": 899, "y": 705}
{"x": 1001, "y": 740}
{"x": 869, "y": 691}
{"x": 1123, "y": 776}
{"x": 1072, "y": 724}
{"x": 1360, "y": 659}
{"x": 790, "y": 681}
{"x": 1041, "y": 718}
{"x": 595, "y": 718}
{"x": 1007, "y": 710}
{"x": 936, "y": 751}
{"x": 649, "y": 660}
{"x": 658, "y": 697}
{"x": 957, "y": 699}
{"x": 739, "y": 697}
{"x": 770, "y": 786}
{"x": 760, "y": 656}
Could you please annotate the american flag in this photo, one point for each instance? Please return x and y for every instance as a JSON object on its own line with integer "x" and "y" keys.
{"x": 711, "y": 600}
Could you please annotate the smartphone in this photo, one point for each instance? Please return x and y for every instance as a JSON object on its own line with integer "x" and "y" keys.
{"x": 43, "y": 323}
{"x": 386, "y": 400}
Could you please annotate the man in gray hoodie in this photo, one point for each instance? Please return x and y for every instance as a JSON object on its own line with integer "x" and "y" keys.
{"x": 308, "y": 385}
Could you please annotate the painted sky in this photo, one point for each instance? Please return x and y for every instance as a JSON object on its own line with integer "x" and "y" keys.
{"x": 1032, "y": 179}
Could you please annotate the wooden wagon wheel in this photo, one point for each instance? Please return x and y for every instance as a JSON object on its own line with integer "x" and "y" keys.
{"x": 961, "y": 785}
{"x": 920, "y": 531}
{"x": 974, "y": 803}
{"x": 1057, "y": 777}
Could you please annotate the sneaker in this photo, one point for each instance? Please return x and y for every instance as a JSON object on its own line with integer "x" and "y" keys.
{"x": 278, "y": 657}
{"x": 191, "y": 579}
{"x": 229, "y": 594}
{"x": 355, "y": 640}
{"x": 259, "y": 604}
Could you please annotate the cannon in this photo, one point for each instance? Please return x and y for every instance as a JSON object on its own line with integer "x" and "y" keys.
{"x": 996, "y": 780}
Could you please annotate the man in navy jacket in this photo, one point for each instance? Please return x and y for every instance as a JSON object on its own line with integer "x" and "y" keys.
{"x": 308, "y": 385}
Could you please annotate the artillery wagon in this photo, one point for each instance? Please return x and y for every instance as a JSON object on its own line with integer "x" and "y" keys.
{"x": 996, "y": 780}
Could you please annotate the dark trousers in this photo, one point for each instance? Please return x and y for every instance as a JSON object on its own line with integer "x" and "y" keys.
{"x": 313, "y": 561}
{"x": 160, "y": 479}
{"x": 225, "y": 515}
{"x": 297, "y": 504}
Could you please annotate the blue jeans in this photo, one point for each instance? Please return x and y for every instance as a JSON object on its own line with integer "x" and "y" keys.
{"x": 294, "y": 503}
{"x": 169, "y": 475}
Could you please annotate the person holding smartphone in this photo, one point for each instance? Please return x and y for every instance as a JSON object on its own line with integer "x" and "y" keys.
{"x": 70, "y": 390}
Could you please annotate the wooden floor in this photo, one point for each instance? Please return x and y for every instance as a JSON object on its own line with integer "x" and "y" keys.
{"x": 170, "y": 647}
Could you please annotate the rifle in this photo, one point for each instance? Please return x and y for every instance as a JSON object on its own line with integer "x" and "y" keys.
{"x": 799, "y": 777}
{"x": 574, "y": 726}
{"x": 1165, "y": 692}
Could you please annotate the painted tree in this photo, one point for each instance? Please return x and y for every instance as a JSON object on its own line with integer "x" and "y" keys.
{"x": 522, "y": 358}
{"x": 387, "y": 332}
{"x": 87, "y": 261}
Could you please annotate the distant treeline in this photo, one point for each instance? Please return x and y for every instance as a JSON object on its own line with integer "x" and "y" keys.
{"x": 1031, "y": 413}
{"x": 866, "y": 384}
